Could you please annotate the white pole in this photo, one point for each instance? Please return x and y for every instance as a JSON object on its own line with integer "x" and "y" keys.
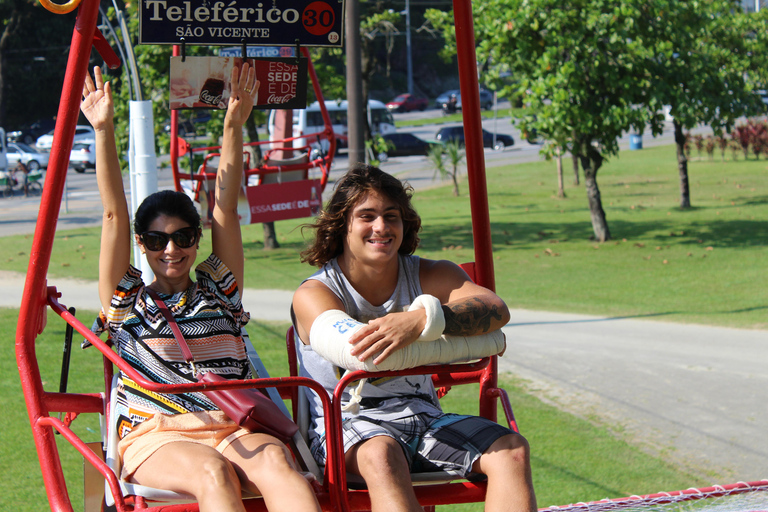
{"x": 143, "y": 168}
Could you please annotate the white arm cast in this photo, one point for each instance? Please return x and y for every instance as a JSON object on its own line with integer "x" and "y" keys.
{"x": 331, "y": 331}
{"x": 435, "y": 317}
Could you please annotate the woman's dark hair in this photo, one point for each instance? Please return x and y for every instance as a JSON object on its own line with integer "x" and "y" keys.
{"x": 331, "y": 225}
{"x": 169, "y": 203}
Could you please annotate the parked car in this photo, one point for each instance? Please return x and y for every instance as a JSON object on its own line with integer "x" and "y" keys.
{"x": 82, "y": 132}
{"x": 407, "y": 144}
{"x": 28, "y": 134}
{"x": 407, "y": 102}
{"x": 188, "y": 121}
{"x": 450, "y": 133}
{"x": 29, "y": 156}
{"x": 486, "y": 98}
{"x": 83, "y": 155}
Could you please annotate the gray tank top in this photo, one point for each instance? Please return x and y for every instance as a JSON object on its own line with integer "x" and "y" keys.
{"x": 414, "y": 394}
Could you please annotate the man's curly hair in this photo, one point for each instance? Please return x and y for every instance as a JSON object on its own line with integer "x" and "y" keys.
{"x": 331, "y": 225}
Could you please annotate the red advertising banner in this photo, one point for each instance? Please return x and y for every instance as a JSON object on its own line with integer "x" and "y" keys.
{"x": 203, "y": 82}
{"x": 280, "y": 201}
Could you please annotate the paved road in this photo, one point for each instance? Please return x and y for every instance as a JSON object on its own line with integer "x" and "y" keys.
{"x": 697, "y": 395}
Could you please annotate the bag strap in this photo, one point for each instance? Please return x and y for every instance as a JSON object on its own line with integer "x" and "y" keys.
{"x": 174, "y": 327}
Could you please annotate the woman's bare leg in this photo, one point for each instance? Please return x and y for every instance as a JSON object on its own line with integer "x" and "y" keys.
{"x": 265, "y": 466}
{"x": 194, "y": 469}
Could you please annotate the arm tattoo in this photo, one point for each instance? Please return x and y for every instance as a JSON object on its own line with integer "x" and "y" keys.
{"x": 470, "y": 317}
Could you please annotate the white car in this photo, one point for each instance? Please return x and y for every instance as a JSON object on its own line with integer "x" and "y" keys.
{"x": 83, "y": 155}
{"x": 29, "y": 156}
{"x": 82, "y": 132}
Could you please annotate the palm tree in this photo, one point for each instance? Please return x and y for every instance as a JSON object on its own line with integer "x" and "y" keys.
{"x": 451, "y": 152}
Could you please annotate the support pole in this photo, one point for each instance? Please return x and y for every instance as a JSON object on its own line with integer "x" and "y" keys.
{"x": 32, "y": 314}
{"x": 355, "y": 105}
{"x": 478, "y": 189}
{"x": 409, "y": 60}
{"x": 473, "y": 136}
{"x": 143, "y": 165}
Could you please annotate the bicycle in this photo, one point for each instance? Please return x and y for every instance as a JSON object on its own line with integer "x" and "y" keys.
{"x": 10, "y": 183}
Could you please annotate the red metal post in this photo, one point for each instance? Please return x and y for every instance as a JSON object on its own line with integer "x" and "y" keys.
{"x": 478, "y": 189}
{"x": 473, "y": 135}
{"x": 175, "y": 140}
{"x": 33, "y": 302}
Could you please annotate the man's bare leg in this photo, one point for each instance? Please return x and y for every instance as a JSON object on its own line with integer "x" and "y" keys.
{"x": 382, "y": 464}
{"x": 507, "y": 464}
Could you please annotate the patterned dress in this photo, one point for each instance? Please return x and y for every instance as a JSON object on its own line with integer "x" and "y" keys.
{"x": 209, "y": 314}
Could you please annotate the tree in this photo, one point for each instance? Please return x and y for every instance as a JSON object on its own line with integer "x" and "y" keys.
{"x": 454, "y": 155}
{"x": 557, "y": 153}
{"x": 707, "y": 70}
{"x": 593, "y": 70}
{"x": 376, "y": 149}
{"x": 587, "y": 66}
{"x": 34, "y": 46}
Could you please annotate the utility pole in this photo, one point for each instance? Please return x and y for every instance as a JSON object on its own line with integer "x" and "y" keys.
{"x": 408, "y": 45}
{"x": 355, "y": 110}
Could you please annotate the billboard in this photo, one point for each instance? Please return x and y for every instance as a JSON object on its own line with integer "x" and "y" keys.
{"x": 203, "y": 82}
{"x": 237, "y": 22}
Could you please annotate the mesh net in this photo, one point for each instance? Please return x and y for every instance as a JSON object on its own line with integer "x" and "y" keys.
{"x": 738, "y": 497}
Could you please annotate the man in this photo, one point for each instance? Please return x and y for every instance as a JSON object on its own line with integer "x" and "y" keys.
{"x": 20, "y": 174}
{"x": 364, "y": 244}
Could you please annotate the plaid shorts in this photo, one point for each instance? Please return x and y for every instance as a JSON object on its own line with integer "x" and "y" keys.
{"x": 447, "y": 442}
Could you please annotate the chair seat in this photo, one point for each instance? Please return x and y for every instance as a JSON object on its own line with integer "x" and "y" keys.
{"x": 433, "y": 477}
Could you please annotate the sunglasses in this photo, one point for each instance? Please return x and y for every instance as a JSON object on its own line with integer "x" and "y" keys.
{"x": 157, "y": 240}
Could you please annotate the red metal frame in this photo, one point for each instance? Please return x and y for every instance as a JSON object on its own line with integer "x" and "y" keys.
{"x": 42, "y": 406}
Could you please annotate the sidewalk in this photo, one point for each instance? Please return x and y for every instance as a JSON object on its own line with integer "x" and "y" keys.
{"x": 270, "y": 305}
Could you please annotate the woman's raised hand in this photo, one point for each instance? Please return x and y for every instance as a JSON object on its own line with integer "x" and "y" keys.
{"x": 243, "y": 94}
{"x": 97, "y": 100}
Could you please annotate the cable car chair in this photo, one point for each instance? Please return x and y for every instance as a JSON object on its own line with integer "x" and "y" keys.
{"x": 43, "y": 406}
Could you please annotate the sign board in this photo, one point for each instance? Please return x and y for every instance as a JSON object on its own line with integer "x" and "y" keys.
{"x": 203, "y": 82}
{"x": 265, "y": 202}
{"x": 259, "y": 51}
{"x": 280, "y": 201}
{"x": 237, "y": 22}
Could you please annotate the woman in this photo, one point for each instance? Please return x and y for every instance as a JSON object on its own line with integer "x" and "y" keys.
{"x": 184, "y": 442}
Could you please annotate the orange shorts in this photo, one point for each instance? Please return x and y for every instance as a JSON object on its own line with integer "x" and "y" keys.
{"x": 209, "y": 428}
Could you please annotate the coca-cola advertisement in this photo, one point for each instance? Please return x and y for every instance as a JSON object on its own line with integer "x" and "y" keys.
{"x": 203, "y": 82}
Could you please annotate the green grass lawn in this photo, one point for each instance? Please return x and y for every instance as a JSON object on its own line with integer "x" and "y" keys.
{"x": 572, "y": 459}
{"x": 439, "y": 118}
{"x": 703, "y": 265}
